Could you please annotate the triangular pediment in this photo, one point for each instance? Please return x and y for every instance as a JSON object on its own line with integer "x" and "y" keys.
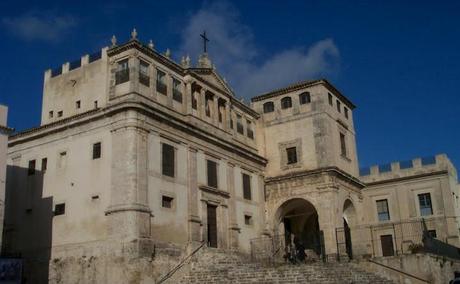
{"x": 213, "y": 78}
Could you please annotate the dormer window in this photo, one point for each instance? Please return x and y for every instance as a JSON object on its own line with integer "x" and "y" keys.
{"x": 269, "y": 107}
{"x": 122, "y": 74}
{"x": 286, "y": 102}
{"x": 144, "y": 77}
{"x": 304, "y": 98}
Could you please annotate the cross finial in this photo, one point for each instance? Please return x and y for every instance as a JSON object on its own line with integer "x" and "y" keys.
{"x": 205, "y": 41}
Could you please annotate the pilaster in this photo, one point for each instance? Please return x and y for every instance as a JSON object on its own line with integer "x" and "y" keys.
{"x": 233, "y": 226}
{"x": 193, "y": 202}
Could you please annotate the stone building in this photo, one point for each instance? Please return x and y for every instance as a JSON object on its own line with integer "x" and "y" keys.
{"x": 139, "y": 159}
{"x": 4, "y": 132}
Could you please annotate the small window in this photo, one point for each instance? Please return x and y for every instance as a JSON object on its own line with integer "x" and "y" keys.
{"x": 60, "y": 113}
{"x": 291, "y": 155}
{"x": 382, "y": 210}
{"x": 31, "y": 169}
{"x": 62, "y": 159}
{"x": 59, "y": 209}
{"x": 144, "y": 77}
{"x": 177, "y": 92}
{"x": 343, "y": 145}
{"x": 44, "y": 164}
{"x": 345, "y": 110}
{"x": 247, "y": 220}
{"x": 424, "y": 200}
{"x": 286, "y": 102}
{"x": 95, "y": 104}
{"x": 239, "y": 124}
{"x": 50, "y": 114}
{"x": 166, "y": 201}
{"x": 304, "y": 98}
{"x": 247, "y": 194}
{"x": 161, "y": 83}
{"x": 329, "y": 95}
{"x": 77, "y": 104}
{"x": 167, "y": 160}
{"x": 212, "y": 173}
{"x": 96, "y": 150}
{"x": 122, "y": 74}
{"x": 269, "y": 107}
{"x": 432, "y": 234}
{"x": 339, "y": 108}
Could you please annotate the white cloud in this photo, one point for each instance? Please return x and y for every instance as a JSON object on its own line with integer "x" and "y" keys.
{"x": 237, "y": 57}
{"x": 39, "y": 26}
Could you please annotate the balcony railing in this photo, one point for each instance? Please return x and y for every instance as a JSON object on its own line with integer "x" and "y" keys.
{"x": 161, "y": 88}
{"x": 122, "y": 76}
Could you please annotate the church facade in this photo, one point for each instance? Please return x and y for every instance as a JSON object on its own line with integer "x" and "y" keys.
{"x": 137, "y": 154}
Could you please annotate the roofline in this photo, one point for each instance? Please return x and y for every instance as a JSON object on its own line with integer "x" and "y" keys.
{"x": 301, "y": 85}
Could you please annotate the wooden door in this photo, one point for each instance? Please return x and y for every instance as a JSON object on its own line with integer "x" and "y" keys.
{"x": 212, "y": 226}
{"x": 387, "y": 245}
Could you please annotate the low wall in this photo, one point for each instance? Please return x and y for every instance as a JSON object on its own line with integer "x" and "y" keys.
{"x": 432, "y": 268}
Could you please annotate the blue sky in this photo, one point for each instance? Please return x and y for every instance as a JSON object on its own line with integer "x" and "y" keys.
{"x": 399, "y": 62}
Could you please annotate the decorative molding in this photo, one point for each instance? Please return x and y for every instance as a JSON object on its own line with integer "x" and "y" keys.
{"x": 214, "y": 191}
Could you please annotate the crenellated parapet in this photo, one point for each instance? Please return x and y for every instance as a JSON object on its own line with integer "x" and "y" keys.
{"x": 409, "y": 168}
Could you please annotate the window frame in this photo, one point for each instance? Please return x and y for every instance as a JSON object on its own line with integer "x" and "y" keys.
{"x": 380, "y": 213}
{"x": 426, "y": 206}
{"x": 160, "y": 85}
{"x": 246, "y": 180}
{"x": 166, "y": 169}
{"x": 268, "y": 107}
{"x": 177, "y": 92}
{"x": 122, "y": 71}
{"x": 144, "y": 76}
{"x": 304, "y": 98}
{"x": 97, "y": 151}
{"x": 209, "y": 180}
{"x": 286, "y": 102}
{"x": 289, "y": 160}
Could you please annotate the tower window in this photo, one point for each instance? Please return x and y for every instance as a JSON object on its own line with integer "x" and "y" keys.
{"x": 343, "y": 145}
{"x": 291, "y": 155}
{"x": 304, "y": 98}
{"x": 424, "y": 200}
{"x": 286, "y": 102}
{"x": 96, "y": 150}
{"x": 269, "y": 107}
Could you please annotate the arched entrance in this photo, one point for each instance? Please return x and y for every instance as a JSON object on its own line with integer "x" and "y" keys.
{"x": 297, "y": 220}
{"x": 349, "y": 219}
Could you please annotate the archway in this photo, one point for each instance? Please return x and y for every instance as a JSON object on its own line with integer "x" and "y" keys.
{"x": 349, "y": 219}
{"x": 297, "y": 220}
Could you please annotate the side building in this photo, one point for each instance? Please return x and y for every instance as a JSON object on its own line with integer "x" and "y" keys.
{"x": 4, "y": 132}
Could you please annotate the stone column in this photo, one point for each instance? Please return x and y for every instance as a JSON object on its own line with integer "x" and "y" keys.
{"x": 129, "y": 213}
{"x": 169, "y": 89}
{"x": 226, "y": 121}
{"x": 234, "y": 229}
{"x": 215, "y": 110}
{"x": 133, "y": 65}
{"x": 188, "y": 98}
{"x": 327, "y": 222}
{"x": 201, "y": 103}
{"x": 193, "y": 215}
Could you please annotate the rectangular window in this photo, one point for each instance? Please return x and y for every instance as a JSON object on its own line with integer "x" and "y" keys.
{"x": 239, "y": 124}
{"x": 60, "y": 113}
{"x": 96, "y": 150}
{"x": 167, "y": 161}
{"x": 291, "y": 155}
{"x": 339, "y": 108}
{"x": 59, "y": 209}
{"x": 51, "y": 114}
{"x": 424, "y": 200}
{"x": 330, "y": 98}
{"x": 144, "y": 77}
{"x": 31, "y": 169}
{"x": 122, "y": 73}
{"x": 95, "y": 104}
{"x": 343, "y": 145}
{"x": 247, "y": 194}
{"x": 247, "y": 220}
{"x": 346, "y": 112}
{"x": 382, "y": 210}
{"x": 77, "y": 104}
{"x": 212, "y": 173}
{"x": 250, "y": 133}
{"x": 166, "y": 201}
{"x": 177, "y": 92}
{"x": 44, "y": 164}
{"x": 161, "y": 82}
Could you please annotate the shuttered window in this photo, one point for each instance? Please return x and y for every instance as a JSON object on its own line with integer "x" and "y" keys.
{"x": 212, "y": 173}
{"x": 167, "y": 160}
{"x": 247, "y": 187}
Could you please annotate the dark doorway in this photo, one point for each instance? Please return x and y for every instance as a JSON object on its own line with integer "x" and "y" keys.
{"x": 348, "y": 245}
{"x": 387, "y": 245}
{"x": 212, "y": 226}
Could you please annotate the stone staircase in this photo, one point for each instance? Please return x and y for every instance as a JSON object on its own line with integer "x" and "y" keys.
{"x": 216, "y": 267}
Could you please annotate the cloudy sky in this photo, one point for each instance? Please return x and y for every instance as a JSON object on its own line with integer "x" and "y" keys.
{"x": 399, "y": 62}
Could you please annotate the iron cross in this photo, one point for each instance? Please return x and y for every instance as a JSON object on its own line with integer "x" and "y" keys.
{"x": 205, "y": 40}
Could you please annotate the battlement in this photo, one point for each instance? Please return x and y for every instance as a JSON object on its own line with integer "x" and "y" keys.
{"x": 75, "y": 64}
{"x": 401, "y": 169}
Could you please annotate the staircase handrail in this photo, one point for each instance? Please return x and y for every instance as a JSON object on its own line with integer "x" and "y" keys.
{"x": 181, "y": 263}
{"x": 399, "y": 271}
